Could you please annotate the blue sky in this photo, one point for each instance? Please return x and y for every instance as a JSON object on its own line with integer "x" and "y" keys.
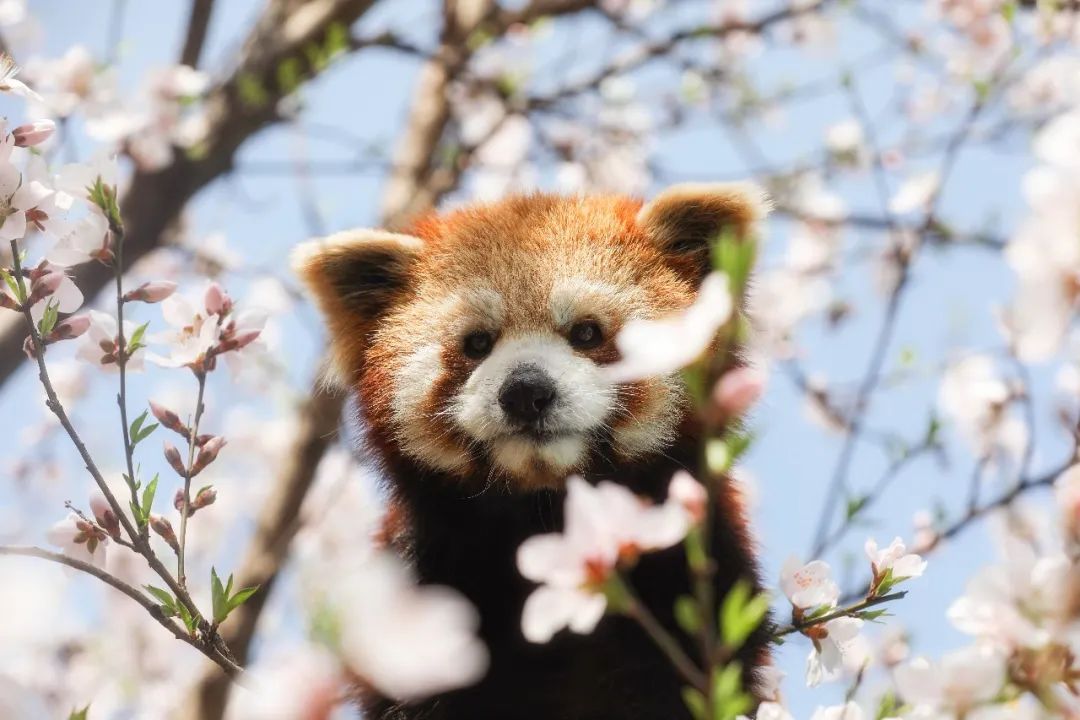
{"x": 949, "y": 307}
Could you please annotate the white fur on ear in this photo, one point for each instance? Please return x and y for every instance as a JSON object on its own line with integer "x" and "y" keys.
{"x": 689, "y": 212}
{"x": 354, "y": 276}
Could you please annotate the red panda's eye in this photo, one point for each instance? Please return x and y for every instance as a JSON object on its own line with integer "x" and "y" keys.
{"x": 586, "y": 335}
{"x": 478, "y": 344}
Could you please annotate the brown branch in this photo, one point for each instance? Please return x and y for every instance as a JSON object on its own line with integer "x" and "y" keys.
{"x": 156, "y": 199}
{"x": 198, "y": 24}
{"x": 151, "y": 607}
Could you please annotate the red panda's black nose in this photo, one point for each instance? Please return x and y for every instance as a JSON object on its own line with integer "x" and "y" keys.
{"x": 527, "y": 393}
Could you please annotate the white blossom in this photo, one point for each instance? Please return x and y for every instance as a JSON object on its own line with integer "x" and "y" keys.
{"x": 963, "y": 680}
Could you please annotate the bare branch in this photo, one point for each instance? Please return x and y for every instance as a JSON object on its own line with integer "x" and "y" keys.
{"x": 198, "y": 24}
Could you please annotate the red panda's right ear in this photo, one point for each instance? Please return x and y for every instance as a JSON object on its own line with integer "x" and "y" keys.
{"x": 354, "y": 276}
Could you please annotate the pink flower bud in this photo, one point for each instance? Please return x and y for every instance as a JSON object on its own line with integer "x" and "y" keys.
{"x": 45, "y": 285}
{"x": 689, "y": 493}
{"x": 104, "y": 514}
{"x": 207, "y": 454}
{"x": 217, "y": 300}
{"x": 737, "y": 390}
{"x": 238, "y": 341}
{"x": 178, "y": 501}
{"x": 164, "y": 529}
{"x": 151, "y": 292}
{"x": 33, "y": 133}
{"x": 6, "y": 301}
{"x": 70, "y": 328}
{"x": 169, "y": 419}
{"x": 175, "y": 461}
{"x": 205, "y": 497}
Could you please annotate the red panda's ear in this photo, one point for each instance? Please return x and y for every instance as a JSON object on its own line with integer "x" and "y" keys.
{"x": 354, "y": 276}
{"x": 685, "y": 218}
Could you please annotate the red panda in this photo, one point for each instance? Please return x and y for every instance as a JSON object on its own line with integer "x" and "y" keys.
{"x": 474, "y": 343}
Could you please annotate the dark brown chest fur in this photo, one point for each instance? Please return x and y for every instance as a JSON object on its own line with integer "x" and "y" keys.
{"x": 470, "y": 543}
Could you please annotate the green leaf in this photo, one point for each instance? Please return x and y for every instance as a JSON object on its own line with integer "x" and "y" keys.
{"x": 218, "y": 597}
{"x": 873, "y": 615}
{"x": 79, "y": 714}
{"x": 144, "y": 433}
{"x": 337, "y": 40}
{"x": 729, "y": 699}
{"x": 190, "y": 622}
{"x": 854, "y": 506}
{"x": 289, "y": 75}
{"x": 168, "y": 604}
{"x": 148, "y": 499}
{"x": 695, "y": 703}
{"x": 741, "y": 613}
{"x": 49, "y": 317}
{"x": 688, "y": 615}
{"x": 13, "y": 285}
{"x": 136, "y": 340}
{"x": 138, "y": 433}
{"x": 738, "y": 443}
{"x": 253, "y": 94}
{"x": 241, "y": 595}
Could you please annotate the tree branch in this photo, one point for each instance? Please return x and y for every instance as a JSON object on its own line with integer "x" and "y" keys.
{"x": 198, "y": 24}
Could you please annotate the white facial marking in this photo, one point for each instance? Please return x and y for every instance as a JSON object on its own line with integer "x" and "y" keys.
{"x": 413, "y": 427}
{"x": 656, "y": 423}
{"x": 583, "y": 401}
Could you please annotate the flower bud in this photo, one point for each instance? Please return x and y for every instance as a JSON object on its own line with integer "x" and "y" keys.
{"x": 33, "y": 133}
{"x": 204, "y": 498}
{"x": 217, "y": 300}
{"x": 6, "y": 301}
{"x": 28, "y": 348}
{"x": 104, "y": 514}
{"x": 178, "y": 501}
{"x": 169, "y": 419}
{"x": 151, "y": 292}
{"x": 70, "y": 328}
{"x": 207, "y": 454}
{"x": 175, "y": 461}
{"x": 164, "y": 529}
{"x": 237, "y": 341}
{"x": 45, "y": 285}
{"x": 737, "y": 390}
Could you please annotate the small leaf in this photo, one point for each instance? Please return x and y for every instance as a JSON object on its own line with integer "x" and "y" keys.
{"x": 687, "y": 614}
{"x": 218, "y": 598}
{"x": 148, "y": 497}
{"x": 854, "y": 506}
{"x": 741, "y": 613}
{"x": 189, "y": 621}
{"x": 695, "y": 702}
{"x": 242, "y": 596}
{"x": 12, "y": 285}
{"x": 144, "y": 433}
{"x": 168, "y": 604}
{"x": 48, "y": 318}
{"x": 79, "y": 714}
{"x": 136, "y": 340}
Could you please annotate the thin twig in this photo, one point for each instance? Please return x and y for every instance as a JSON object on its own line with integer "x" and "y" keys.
{"x": 184, "y": 510}
{"x": 232, "y": 669}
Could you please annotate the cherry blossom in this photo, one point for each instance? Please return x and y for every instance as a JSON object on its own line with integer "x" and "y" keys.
{"x": 847, "y": 711}
{"x": 305, "y": 683}
{"x": 809, "y": 586}
{"x": 894, "y": 559}
{"x": 408, "y": 641}
{"x": 605, "y": 525}
{"x": 737, "y": 390}
{"x": 99, "y": 345}
{"x": 837, "y": 648}
{"x": 975, "y": 396}
{"x": 79, "y": 539}
{"x": 657, "y": 347}
{"x": 770, "y": 711}
{"x": 8, "y": 82}
{"x": 1021, "y": 602}
{"x": 964, "y": 680}
{"x": 87, "y": 240}
{"x": 915, "y": 193}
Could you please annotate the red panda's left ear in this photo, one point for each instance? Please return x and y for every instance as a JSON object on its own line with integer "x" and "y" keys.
{"x": 684, "y": 219}
{"x": 355, "y": 277}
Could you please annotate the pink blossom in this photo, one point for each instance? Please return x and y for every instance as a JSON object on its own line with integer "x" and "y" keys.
{"x": 79, "y": 539}
{"x": 895, "y": 557}
{"x": 809, "y": 586}
{"x": 605, "y": 525}
{"x": 838, "y": 647}
{"x": 99, "y": 346}
{"x": 86, "y": 240}
{"x": 658, "y": 347}
{"x": 737, "y": 390}
{"x": 33, "y": 133}
{"x": 151, "y": 292}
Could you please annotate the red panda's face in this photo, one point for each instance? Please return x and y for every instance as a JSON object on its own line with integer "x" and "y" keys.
{"x": 478, "y": 344}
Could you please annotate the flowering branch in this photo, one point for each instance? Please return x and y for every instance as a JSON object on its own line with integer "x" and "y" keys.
{"x": 852, "y": 610}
